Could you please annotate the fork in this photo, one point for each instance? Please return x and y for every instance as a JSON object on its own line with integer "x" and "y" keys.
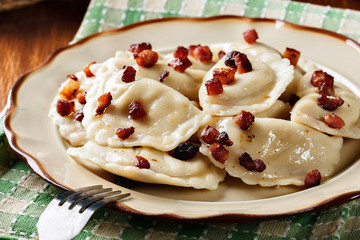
{"x": 66, "y": 215}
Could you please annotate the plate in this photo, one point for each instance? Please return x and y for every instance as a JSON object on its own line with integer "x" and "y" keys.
{"x": 36, "y": 140}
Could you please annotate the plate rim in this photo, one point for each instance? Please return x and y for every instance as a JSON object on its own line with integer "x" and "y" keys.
{"x": 36, "y": 166}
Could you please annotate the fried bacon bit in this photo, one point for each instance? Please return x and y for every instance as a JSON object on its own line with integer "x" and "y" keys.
{"x": 69, "y": 89}
{"x": 223, "y": 138}
{"x": 293, "y": 55}
{"x": 72, "y": 76}
{"x": 65, "y": 107}
{"x": 181, "y": 61}
{"x": 327, "y": 89}
{"x": 201, "y": 53}
{"x": 79, "y": 115}
{"x": 214, "y": 87}
{"x": 124, "y": 133}
{"x": 181, "y": 52}
{"x": 246, "y": 161}
{"x": 242, "y": 63}
{"x": 184, "y": 151}
{"x": 87, "y": 71}
{"x": 136, "y": 110}
{"x": 219, "y": 153}
{"x": 180, "y": 65}
{"x": 81, "y": 97}
{"x": 334, "y": 121}
{"x": 128, "y": 74}
{"x": 209, "y": 134}
{"x": 293, "y": 99}
{"x": 312, "y": 178}
{"x": 103, "y": 101}
{"x": 250, "y": 36}
{"x": 244, "y": 119}
{"x": 147, "y": 58}
{"x": 225, "y": 75}
{"x": 163, "y": 75}
{"x": 319, "y": 78}
{"x": 221, "y": 54}
{"x": 136, "y": 48}
{"x": 229, "y": 59}
{"x": 142, "y": 162}
{"x": 329, "y": 103}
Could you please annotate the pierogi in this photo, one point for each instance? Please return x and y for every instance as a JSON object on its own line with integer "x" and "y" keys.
{"x": 290, "y": 137}
{"x": 197, "y": 172}
{"x": 288, "y": 149}
{"x": 254, "y": 91}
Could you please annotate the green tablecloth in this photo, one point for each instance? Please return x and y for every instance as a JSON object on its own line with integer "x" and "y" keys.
{"x": 24, "y": 195}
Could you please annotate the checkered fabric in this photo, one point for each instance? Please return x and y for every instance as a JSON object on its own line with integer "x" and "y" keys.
{"x": 24, "y": 195}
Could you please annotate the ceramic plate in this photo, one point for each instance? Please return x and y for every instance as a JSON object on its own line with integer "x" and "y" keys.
{"x": 33, "y": 136}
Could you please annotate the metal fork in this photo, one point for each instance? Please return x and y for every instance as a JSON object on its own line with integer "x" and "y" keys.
{"x": 67, "y": 214}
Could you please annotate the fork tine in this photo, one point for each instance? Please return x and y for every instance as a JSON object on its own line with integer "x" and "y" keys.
{"x": 93, "y": 203}
{"x": 69, "y": 194}
{"x": 77, "y": 198}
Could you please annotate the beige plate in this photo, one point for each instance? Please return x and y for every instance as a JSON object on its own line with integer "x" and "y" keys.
{"x": 33, "y": 136}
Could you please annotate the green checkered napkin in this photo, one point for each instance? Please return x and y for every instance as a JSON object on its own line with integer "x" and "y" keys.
{"x": 24, "y": 195}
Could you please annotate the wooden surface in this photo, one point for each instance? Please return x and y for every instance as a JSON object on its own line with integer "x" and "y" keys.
{"x": 30, "y": 34}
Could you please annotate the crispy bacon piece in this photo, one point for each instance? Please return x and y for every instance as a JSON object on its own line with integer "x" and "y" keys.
{"x": 124, "y": 133}
{"x": 201, "y": 53}
{"x": 223, "y": 138}
{"x": 87, "y": 71}
{"x": 209, "y": 134}
{"x": 180, "y": 65}
{"x": 214, "y": 87}
{"x": 128, "y": 74}
{"x": 293, "y": 55}
{"x": 184, "y": 151}
{"x": 69, "y": 89}
{"x": 181, "y": 52}
{"x": 229, "y": 59}
{"x": 72, "y": 76}
{"x": 103, "y": 102}
{"x": 242, "y": 63}
{"x": 320, "y": 77}
{"x": 79, "y": 115}
{"x": 219, "y": 153}
{"x": 163, "y": 75}
{"x": 221, "y": 54}
{"x": 136, "y": 110}
{"x": 334, "y": 121}
{"x": 225, "y": 75}
{"x": 250, "y": 36}
{"x": 329, "y": 103}
{"x": 327, "y": 89}
{"x": 312, "y": 178}
{"x": 142, "y": 162}
{"x": 244, "y": 119}
{"x": 147, "y": 58}
{"x": 136, "y": 48}
{"x": 81, "y": 97}
{"x": 246, "y": 161}
{"x": 65, "y": 107}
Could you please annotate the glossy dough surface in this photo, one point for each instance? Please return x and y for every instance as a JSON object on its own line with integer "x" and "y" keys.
{"x": 289, "y": 150}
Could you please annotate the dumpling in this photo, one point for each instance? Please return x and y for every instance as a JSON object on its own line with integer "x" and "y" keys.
{"x": 288, "y": 149}
{"x": 307, "y": 111}
{"x": 254, "y": 91}
{"x": 197, "y": 172}
{"x": 170, "y": 119}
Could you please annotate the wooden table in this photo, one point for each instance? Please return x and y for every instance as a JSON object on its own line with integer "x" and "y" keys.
{"x": 30, "y": 34}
